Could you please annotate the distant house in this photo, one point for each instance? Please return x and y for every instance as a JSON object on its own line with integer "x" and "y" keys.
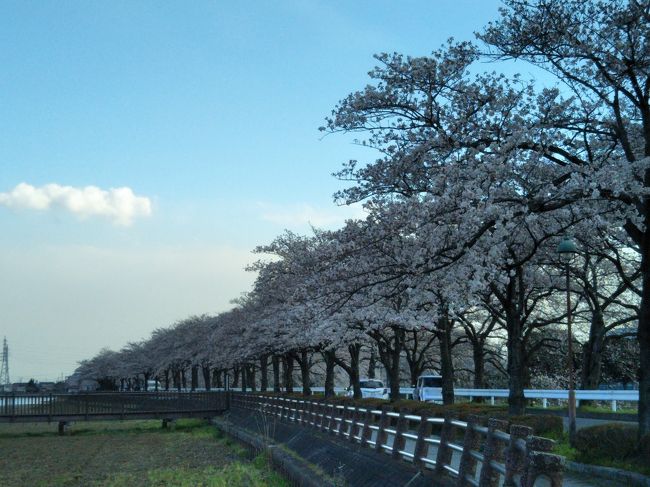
{"x": 46, "y": 386}
{"x": 19, "y": 387}
{"x": 76, "y": 383}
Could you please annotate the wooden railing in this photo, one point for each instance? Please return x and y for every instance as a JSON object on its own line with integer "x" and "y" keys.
{"x": 475, "y": 455}
{"x": 99, "y": 405}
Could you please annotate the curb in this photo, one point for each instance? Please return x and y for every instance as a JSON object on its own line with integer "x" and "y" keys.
{"x": 622, "y": 417}
{"x": 631, "y": 479}
{"x": 296, "y": 470}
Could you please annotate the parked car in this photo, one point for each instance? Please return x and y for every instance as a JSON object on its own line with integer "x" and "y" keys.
{"x": 370, "y": 388}
{"x": 428, "y": 388}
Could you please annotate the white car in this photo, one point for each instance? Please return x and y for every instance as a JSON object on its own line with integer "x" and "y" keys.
{"x": 428, "y": 388}
{"x": 370, "y": 388}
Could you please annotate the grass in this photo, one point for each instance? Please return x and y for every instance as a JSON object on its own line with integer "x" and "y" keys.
{"x": 562, "y": 447}
{"x": 126, "y": 454}
{"x": 591, "y": 409}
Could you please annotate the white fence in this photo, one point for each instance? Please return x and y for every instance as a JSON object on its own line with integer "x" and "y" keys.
{"x": 611, "y": 396}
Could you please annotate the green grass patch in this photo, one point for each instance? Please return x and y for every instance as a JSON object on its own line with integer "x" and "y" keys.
{"x": 607, "y": 445}
{"x": 127, "y": 453}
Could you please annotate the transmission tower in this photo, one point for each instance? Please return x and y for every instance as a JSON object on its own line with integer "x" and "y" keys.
{"x": 4, "y": 369}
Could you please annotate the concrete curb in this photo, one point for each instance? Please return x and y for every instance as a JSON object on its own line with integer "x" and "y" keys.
{"x": 622, "y": 417}
{"x": 631, "y": 479}
{"x": 296, "y": 470}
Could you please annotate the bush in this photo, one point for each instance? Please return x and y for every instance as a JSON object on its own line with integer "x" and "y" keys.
{"x": 612, "y": 441}
{"x": 547, "y": 426}
{"x": 460, "y": 411}
{"x": 644, "y": 448}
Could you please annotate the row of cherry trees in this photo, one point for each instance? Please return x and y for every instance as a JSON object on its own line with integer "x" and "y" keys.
{"x": 477, "y": 177}
{"x": 306, "y": 308}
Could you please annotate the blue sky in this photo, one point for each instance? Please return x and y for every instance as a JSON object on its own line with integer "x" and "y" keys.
{"x": 210, "y": 110}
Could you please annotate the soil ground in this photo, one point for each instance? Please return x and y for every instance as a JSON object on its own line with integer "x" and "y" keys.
{"x": 126, "y": 453}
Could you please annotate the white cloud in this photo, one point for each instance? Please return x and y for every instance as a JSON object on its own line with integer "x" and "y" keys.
{"x": 120, "y": 205}
{"x": 300, "y": 215}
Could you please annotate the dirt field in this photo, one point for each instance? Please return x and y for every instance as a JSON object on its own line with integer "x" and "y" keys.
{"x": 127, "y": 453}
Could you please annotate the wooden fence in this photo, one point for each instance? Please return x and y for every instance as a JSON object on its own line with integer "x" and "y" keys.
{"x": 475, "y": 455}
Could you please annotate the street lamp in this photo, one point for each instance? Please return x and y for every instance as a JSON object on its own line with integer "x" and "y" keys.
{"x": 567, "y": 250}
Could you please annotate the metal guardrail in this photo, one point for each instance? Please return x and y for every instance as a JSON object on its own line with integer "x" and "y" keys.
{"x": 485, "y": 456}
{"x": 611, "y": 396}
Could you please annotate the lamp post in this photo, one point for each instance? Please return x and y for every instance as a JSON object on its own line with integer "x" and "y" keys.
{"x": 567, "y": 250}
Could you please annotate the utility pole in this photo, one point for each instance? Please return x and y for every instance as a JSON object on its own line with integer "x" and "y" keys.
{"x": 5, "y": 382}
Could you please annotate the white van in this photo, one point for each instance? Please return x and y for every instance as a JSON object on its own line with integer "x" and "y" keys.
{"x": 370, "y": 388}
{"x": 428, "y": 388}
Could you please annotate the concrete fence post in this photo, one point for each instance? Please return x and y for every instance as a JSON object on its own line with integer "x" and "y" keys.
{"x": 384, "y": 420}
{"x": 515, "y": 457}
{"x": 311, "y": 420}
{"x": 354, "y": 425}
{"x": 546, "y": 464}
{"x": 277, "y": 405}
{"x": 471, "y": 443}
{"x": 444, "y": 452}
{"x": 322, "y": 408}
{"x": 399, "y": 442}
{"x": 343, "y": 425}
{"x": 540, "y": 462}
{"x": 283, "y": 409}
{"x": 421, "y": 446}
{"x": 302, "y": 405}
{"x": 493, "y": 451}
{"x": 366, "y": 431}
{"x": 331, "y": 426}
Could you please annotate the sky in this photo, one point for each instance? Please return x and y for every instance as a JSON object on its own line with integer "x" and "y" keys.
{"x": 147, "y": 147}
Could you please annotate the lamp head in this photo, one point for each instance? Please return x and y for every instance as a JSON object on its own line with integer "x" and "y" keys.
{"x": 567, "y": 249}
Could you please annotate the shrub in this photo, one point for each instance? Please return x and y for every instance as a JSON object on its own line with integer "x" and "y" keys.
{"x": 547, "y": 426}
{"x": 644, "y": 448}
{"x": 613, "y": 441}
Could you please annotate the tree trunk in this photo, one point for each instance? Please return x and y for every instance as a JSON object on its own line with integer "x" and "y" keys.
{"x": 390, "y": 350}
{"x": 205, "y": 369}
{"x": 264, "y": 379}
{"x": 592, "y": 353}
{"x": 146, "y": 380}
{"x": 353, "y": 370}
{"x": 194, "y": 381}
{"x": 235, "y": 378}
{"x": 305, "y": 369}
{"x": 372, "y": 363}
{"x": 478, "y": 354}
{"x": 166, "y": 372}
{"x": 216, "y": 378}
{"x": 516, "y": 363}
{"x": 288, "y": 373}
{"x": 177, "y": 379}
{"x": 275, "y": 362}
{"x": 251, "y": 370}
{"x": 244, "y": 379}
{"x": 330, "y": 362}
{"x": 643, "y": 334}
{"x": 446, "y": 360}
{"x": 183, "y": 378}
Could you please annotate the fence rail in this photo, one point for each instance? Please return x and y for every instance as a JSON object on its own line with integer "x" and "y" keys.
{"x": 611, "y": 396}
{"x": 121, "y": 405}
{"x": 475, "y": 455}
